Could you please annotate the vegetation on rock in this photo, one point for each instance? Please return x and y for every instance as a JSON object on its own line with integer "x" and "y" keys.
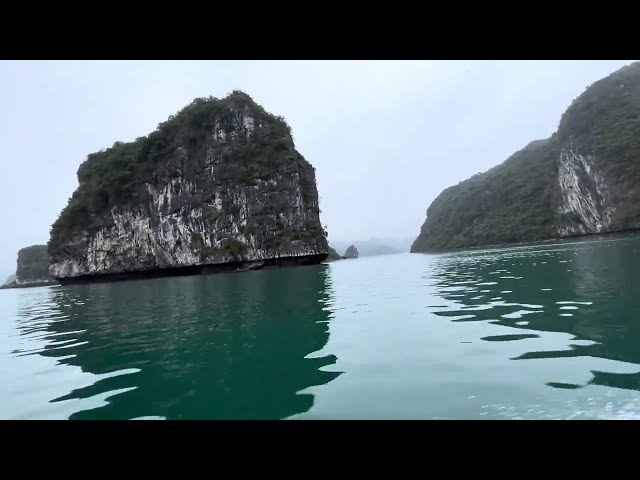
{"x": 499, "y": 206}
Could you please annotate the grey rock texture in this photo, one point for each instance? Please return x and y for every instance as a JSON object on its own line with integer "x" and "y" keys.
{"x": 585, "y": 205}
{"x": 218, "y": 183}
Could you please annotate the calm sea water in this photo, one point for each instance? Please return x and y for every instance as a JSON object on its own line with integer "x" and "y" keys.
{"x": 538, "y": 332}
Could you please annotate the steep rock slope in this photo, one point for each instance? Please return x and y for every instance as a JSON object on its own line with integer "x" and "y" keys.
{"x": 218, "y": 184}
{"x": 585, "y": 179}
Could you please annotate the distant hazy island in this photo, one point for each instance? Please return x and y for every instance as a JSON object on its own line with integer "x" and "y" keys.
{"x": 32, "y": 269}
{"x": 582, "y": 180}
{"x": 351, "y": 252}
{"x": 217, "y": 187}
{"x": 367, "y": 248}
{"x": 375, "y": 246}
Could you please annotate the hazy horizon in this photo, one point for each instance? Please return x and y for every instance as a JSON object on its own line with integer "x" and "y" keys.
{"x": 385, "y": 137}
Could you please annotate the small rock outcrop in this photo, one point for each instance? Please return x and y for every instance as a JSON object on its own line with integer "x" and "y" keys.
{"x": 32, "y": 268}
{"x": 333, "y": 255}
{"x": 351, "y": 252}
{"x": 582, "y": 180}
{"x": 217, "y": 187}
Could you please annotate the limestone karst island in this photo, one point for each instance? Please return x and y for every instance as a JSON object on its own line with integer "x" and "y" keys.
{"x": 217, "y": 187}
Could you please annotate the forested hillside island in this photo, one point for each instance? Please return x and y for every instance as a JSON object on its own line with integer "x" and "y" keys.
{"x": 32, "y": 268}
{"x": 582, "y": 180}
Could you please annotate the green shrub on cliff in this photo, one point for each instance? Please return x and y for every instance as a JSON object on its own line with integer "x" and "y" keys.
{"x": 234, "y": 248}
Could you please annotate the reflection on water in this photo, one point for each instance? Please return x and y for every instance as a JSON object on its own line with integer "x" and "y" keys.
{"x": 224, "y": 346}
{"x": 536, "y": 332}
{"x": 588, "y": 289}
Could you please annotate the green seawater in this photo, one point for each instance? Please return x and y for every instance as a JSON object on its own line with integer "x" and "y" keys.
{"x": 549, "y": 331}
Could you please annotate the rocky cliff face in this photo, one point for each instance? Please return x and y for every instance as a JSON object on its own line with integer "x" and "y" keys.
{"x": 582, "y": 180}
{"x": 220, "y": 183}
{"x": 585, "y": 205}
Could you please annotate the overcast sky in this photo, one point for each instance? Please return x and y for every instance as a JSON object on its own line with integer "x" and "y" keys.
{"x": 385, "y": 136}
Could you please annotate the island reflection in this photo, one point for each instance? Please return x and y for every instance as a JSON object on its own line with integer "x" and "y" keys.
{"x": 229, "y": 346}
